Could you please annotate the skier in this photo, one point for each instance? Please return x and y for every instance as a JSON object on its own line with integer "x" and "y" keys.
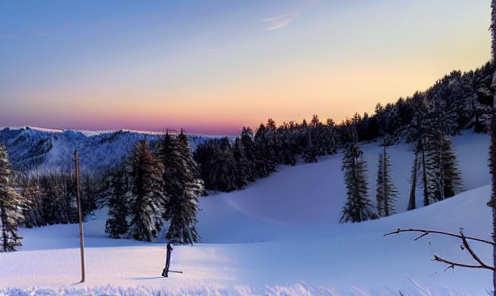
{"x": 165, "y": 272}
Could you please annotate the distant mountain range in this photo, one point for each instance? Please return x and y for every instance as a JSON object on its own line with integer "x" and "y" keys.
{"x": 34, "y": 149}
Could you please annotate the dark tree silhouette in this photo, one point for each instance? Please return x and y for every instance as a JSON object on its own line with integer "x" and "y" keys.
{"x": 10, "y": 202}
{"x": 492, "y": 148}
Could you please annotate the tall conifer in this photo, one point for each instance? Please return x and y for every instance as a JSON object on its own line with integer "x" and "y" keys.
{"x": 10, "y": 207}
{"x": 358, "y": 207}
{"x": 386, "y": 191}
{"x": 118, "y": 203}
{"x": 148, "y": 198}
{"x": 183, "y": 186}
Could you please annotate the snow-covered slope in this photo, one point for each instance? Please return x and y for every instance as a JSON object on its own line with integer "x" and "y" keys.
{"x": 280, "y": 236}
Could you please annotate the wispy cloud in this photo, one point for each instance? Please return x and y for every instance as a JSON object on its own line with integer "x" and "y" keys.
{"x": 280, "y": 21}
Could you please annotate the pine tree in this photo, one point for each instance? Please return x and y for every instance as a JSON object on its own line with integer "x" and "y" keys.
{"x": 331, "y": 138}
{"x": 444, "y": 179}
{"x": 69, "y": 199}
{"x": 204, "y": 155}
{"x": 32, "y": 209}
{"x": 411, "y": 202}
{"x": 264, "y": 154}
{"x": 250, "y": 153}
{"x": 437, "y": 167}
{"x": 441, "y": 178}
{"x": 242, "y": 164}
{"x": 10, "y": 204}
{"x": 358, "y": 207}
{"x": 386, "y": 191}
{"x": 314, "y": 147}
{"x": 225, "y": 169}
{"x": 52, "y": 199}
{"x": 311, "y": 152}
{"x": 89, "y": 194}
{"x": 218, "y": 166}
{"x": 118, "y": 203}
{"x": 452, "y": 177}
{"x": 183, "y": 186}
{"x": 148, "y": 199}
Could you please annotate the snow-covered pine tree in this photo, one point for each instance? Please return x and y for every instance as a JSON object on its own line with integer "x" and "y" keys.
{"x": 315, "y": 143}
{"x": 32, "y": 208}
{"x": 287, "y": 144}
{"x": 441, "y": 178}
{"x": 445, "y": 177}
{"x": 358, "y": 207}
{"x": 118, "y": 202}
{"x": 264, "y": 159}
{"x": 426, "y": 135}
{"x": 311, "y": 151}
{"x": 217, "y": 164}
{"x": 451, "y": 173}
{"x": 148, "y": 198}
{"x": 250, "y": 153}
{"x": 90, "y": 192}
{"x": 273, "y": 140}
{"x": 331, "y": 137}
{"x": 386, "y": 191}
{"x": 52, "y": 199}
{"x": 183, "y": 186}
{"x": 69, "y": 199}
{"x": 10, "y": 207}
{"x": 203, "y": 155}
{"x": 225, "y": 169}
{"x": 242, "y": 163}
{"x": 444, "y": 100}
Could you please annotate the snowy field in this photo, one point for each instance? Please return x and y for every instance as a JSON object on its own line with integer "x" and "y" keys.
{"x": 280, "y": 236}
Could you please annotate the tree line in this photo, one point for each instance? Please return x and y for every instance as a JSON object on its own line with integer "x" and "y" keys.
{"x": 428, "y": 119}
{"x": 152, "y": 193}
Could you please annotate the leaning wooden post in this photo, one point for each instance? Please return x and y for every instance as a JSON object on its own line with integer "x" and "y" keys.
{"x": 81, "y": 237}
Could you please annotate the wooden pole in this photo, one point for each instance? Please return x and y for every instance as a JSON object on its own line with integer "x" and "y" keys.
{"x": 81, "y": 237}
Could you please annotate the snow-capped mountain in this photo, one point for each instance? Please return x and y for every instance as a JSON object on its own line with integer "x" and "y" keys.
{"x": 37, "y": 149}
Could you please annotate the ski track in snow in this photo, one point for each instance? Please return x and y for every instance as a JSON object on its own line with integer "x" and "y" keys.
{"x": 280, "y": 236}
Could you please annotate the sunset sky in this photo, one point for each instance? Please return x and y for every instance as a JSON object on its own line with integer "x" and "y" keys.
{"x": 212, "y": 66}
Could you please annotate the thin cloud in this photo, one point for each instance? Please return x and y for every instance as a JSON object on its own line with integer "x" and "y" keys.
{"x": 280, "y": 21}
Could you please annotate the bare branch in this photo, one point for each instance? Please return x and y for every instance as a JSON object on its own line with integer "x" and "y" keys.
{"x": 450, "y": 266}
{"x": 425, "y": 232}
{"x": 453, "y": 264}
{"x": 469, "y": 249}
{"x": 464, "y": 246}
{"x": 422, "y": 235}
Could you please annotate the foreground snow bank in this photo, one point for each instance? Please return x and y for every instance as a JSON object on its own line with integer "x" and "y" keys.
{"x": 295, "y": 290}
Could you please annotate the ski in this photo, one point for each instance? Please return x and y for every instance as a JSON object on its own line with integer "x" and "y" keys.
{"x": 176, "y": 271}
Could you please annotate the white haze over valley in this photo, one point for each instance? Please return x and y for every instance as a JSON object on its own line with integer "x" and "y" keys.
{"x": 279, "y": 236}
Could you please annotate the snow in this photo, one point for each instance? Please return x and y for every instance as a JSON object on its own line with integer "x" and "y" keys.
{"x": 39, "y": 150}
{"x": 280, "y": 236}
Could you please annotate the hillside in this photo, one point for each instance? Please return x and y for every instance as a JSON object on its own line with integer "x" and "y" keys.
{"x": 37, "y": 149}
{"x": 280, "y": 236}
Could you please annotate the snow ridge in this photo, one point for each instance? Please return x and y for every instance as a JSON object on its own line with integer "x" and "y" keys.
{"x": 39, "y": 150}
